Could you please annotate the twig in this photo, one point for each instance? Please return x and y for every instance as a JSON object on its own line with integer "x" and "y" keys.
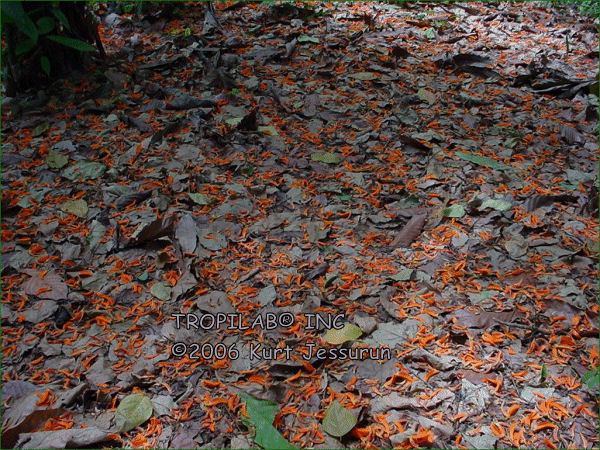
{"x": 520, "y": 325}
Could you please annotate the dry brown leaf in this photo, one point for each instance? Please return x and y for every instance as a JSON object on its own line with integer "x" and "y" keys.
{"x": 409, "y": 232}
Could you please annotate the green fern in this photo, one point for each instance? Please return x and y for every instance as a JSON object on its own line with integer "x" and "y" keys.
{"x": 592, "y": 378}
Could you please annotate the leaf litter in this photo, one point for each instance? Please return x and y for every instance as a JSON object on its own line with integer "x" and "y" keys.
{"x": 232, "y": 169}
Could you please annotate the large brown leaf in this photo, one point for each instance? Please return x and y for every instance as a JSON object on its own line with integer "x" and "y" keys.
{"x": 161, "y": 227}
{"x": 409, "y": 232}
{"x": 45, "y": 285}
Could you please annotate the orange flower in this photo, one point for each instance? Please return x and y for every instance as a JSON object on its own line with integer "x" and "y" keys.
{"x": 422, "y": 438}
{"x": 512, "y": 410}
{"x": 544, "y": 426}
{"x": 125, "y": 278}
{"x": 7, "y": 235}
{"x": 46, "y": 399}
{"x": 498, "y": 430}
{"x": 36, "y": 249}
{"x": 138, "y": 441}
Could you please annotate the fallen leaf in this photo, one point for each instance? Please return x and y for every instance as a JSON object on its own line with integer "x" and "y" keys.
{"x": 427, "y": 96}
{"x": 156, "y": 229}
{"x": 455, "y": 210}
{"x": 409, "y": 232}
{"x": 325, "y": 157}
{"x": 56, "y": 160}
{"x": 199, "y": 199}
{"x": 349, "y": 332}
{"x": 364, "y": 76}
{"x": 161, "y": 290}
{"x": 133, "y": 411}
{"x": 51, "y": 286}
{"x": 338, "y": 420}
{"x": 483, "y": 161}
{"x": 76, "y": 207}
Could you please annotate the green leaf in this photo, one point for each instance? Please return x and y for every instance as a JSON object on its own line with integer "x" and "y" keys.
{"x": 429, "y": 33}
{"x": 24, "y": 46}
{"x": 326, "y": 157}
{"x": 234, "y": 121}
{"x": 455, "y": 210}
{"x": 592, "y": 378}
{"x": 77, "y": 207}
{"x": 543, "y": 372}
{"x": 589, "y": 375}
{"x": 199, "y": 199}
{"x": 364, "y": 76}
{"x": 45, "y": 63}
{"x": 40, "y": 129}
{"x": 498, "y": 205}
{"x": 570, "y": 187}
{"x": 60, "y": 16}
{"x": 56, "y": 160}
{"x": 77, "y": 44}
{"x": 349, "y": 332}
{"x": 15, "y": 11}
{"x": 512, "y": 142}
{"x": 304, "y": 38}
{"x": 133, "y": 411}
{"x": 338, "y": 420}
{"x": 88, "y": 170}
{"x": 161, "y": 291}
{"x": 345, "y": 198}
{"x": 143, "y": 277}
{"x": 127, "y": 8}
{"x": 268, "y": 130}
{"x": 483, "y": 161}
{"x": 329, "y": 281}
{"x": 24, "y": 202}
{"x": 261, "y": 414}
{"x": 45, "y": 24}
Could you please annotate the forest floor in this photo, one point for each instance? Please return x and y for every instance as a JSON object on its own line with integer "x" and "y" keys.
{"x": 425, "y": 174}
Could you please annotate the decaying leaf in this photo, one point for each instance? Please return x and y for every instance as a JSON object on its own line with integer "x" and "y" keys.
{"x": 364, "y": 76}
{"x": 348, "y": 332}
{"x": 56, "y": 160}
{"x": 29, "y": 423}
{"x": 45, "y": 285}
{"x": 326, "y": 157}
{"x": 199, "y": 199}
{"x": 133, "y": 410}
{"x": 409, "y": 232}
{"x": 186, "y": 233}
{"x": 338, "y": 420}
{"x": 66, "y": 438}
{"x": 537, "y": 201}
{"x": 156, "y": 229}
{"x": 77, "y": 207}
